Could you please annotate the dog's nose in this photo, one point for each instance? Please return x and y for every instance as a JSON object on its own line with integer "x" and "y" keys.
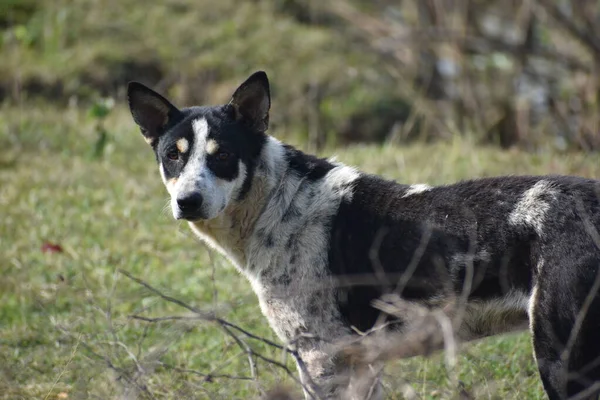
{"x": 191, "y": 202}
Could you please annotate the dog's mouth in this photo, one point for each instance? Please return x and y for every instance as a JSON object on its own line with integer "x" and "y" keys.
{"x": 191, "y": 217}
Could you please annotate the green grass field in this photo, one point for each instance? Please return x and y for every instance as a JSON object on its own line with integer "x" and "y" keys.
{"x": 65, "y": 315}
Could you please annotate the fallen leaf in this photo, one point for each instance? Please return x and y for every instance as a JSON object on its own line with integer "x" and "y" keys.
{"x": 49, "y": 247}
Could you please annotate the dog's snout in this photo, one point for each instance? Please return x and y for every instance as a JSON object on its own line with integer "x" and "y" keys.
{"x": 190, "y": 203}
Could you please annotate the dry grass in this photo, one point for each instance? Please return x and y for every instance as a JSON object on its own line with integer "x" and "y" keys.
{"x": 65, "y": 313}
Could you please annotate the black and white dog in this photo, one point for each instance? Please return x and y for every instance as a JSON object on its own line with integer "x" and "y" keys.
{"x": 320, "y": 241}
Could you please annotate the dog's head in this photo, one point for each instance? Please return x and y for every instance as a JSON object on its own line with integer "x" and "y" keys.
{"x": 206, "y": 155}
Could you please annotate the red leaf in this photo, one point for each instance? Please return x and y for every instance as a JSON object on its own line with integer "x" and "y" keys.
{"x": 49, "y": 247}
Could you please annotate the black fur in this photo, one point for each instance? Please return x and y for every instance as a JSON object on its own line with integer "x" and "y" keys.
{"x": 307, "y": 166}
{"x": 468, "y": 218}
{"x": 530, "y": 244}
{"x": 461, "y": 219}
{"x": 178, "y": 127}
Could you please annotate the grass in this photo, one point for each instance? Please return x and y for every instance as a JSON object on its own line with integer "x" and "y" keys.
{"x": 60, "y": 309}
{"x": 63, "y": 314}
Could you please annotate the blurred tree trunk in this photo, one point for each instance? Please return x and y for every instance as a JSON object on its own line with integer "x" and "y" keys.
{"x": 430, "y": 76}
{"x": 314, "y": 97}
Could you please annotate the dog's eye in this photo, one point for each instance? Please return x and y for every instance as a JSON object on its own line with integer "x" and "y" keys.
{"x": 173, "y": 155}
{"x": 222, "y": 156}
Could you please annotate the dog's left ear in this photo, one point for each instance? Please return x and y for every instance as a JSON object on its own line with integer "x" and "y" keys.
{"x": 252, "y": 101}
{"x": 151, "y": 111}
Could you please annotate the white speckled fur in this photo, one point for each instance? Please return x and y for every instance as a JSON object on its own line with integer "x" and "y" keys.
{"x": 240, "y": 231}
{"x": 533, "y": 206}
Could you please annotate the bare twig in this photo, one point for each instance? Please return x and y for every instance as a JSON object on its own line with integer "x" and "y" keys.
{"x": 62, "y": 371}
{"x": 122, "y": 373}
{"x": 228, "y": 328}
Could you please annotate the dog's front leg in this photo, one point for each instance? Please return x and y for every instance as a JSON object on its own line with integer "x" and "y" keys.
{"x": 317, "y": 373}
{"x": 364, "y": 383}
{"x": 325, "y": 376}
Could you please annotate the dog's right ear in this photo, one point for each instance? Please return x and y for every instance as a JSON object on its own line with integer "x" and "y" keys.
{"x": 252, "y": 101}
{"x": 151, "y": 111}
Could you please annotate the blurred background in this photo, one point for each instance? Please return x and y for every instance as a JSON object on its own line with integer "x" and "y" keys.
{"x": 509, "y": 73}
{"x": 416, "y": 90}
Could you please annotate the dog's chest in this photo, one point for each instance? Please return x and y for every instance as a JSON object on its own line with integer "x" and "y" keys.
{"x": 292, "y": 282}
{"x": 287, "y": 260}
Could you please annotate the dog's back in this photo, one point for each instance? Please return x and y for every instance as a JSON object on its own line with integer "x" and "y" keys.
{"x": 518, "y": 250}
{"x": 498, "y": 232}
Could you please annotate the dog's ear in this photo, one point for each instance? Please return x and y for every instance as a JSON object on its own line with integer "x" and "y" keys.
{"x": 151, "y": 111}
{"x": 252, "y": 101}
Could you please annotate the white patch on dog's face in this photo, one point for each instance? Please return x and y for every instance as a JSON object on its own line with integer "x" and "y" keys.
{"x": 183, "y": 145}
{"x": 169, "y": 183}
{"x": 212, "y": 146}
{"x": 197, "y": 178}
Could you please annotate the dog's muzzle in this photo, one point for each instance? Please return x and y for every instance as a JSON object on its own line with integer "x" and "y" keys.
{"x": 190, "y": 207}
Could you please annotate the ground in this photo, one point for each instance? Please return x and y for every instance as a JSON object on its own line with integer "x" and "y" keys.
{"x": 73, "y": 216}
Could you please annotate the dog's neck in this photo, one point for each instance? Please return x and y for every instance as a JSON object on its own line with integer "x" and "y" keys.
{"x": 230, "y": 232}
